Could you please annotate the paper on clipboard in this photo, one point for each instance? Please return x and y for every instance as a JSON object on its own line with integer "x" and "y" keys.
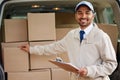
{"x": 66, "y": 66}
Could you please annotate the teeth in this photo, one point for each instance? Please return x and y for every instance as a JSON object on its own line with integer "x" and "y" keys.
{"x": 83, "y": 20}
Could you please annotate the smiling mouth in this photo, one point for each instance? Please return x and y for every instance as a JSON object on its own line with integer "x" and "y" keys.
{"x": 83, "y": 20}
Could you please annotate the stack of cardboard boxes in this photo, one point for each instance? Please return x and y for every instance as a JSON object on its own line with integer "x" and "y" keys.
{"x": 38, "y": 29}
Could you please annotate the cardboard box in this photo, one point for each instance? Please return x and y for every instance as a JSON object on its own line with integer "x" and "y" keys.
{"x": 41, "y": 26}
{"x": 41, "y": 61}
{"x": 32, "y": 75}
{"x": 65, "y": 18}
{"x": 15, "y": 30}
{"x": 68, "y": 26}
{"x": 14, "y": 59}
{"x": 61, "y": 32}
{"x": 60, "y": 74}
{"x": 13, "y": 44}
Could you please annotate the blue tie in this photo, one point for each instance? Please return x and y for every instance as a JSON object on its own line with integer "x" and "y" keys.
{"x": 81, "y": 35}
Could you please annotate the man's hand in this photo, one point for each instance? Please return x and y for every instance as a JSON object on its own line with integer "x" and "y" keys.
{"x": 83, "y": 72}
{"x": 25, "y": 48}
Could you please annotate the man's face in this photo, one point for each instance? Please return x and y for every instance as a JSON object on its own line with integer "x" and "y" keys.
{"x": 84, "y": 16}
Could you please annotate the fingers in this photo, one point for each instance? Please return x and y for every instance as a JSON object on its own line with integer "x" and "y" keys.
{"x": 25, "y": 47}
{"x": 83, "y": 72}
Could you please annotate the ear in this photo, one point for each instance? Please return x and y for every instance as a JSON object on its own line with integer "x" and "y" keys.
{"x": 94, "y": 13}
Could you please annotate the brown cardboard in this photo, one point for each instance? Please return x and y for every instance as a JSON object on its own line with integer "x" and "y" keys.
{"x": 41, "y": 26}
{"x": 32, "y": 75}
{"x": 61, "y": 32}
{"x": 67, "y": 26}
{"x": 14, "y": 59}
{"x": 14, "y": 44}
{"x": 15, "y": 30}
{"x": 41, "y": 61}
{"x": 65, "y": 18}
{"x": 60, "y": 74}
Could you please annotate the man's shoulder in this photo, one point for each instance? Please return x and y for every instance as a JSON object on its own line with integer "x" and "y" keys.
{"x": 98, "y": 31}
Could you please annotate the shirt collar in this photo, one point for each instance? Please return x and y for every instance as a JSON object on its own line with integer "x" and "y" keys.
{"x": 88, "y": 29}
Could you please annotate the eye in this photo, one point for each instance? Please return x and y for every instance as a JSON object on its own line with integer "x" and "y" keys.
{"x": 79, "y": 12}
{"x": 88, "y": 12}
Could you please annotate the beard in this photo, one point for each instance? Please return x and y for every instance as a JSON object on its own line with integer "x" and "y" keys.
{"x": 83, "y": 22}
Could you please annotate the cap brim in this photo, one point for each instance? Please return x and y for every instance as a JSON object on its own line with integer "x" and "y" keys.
{"x": 82, "y": 5}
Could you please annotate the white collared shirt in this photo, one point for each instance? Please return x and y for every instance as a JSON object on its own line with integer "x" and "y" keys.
{"x": 88, "y": 29}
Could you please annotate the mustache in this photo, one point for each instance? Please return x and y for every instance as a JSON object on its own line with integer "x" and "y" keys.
{"x": 82, "y": 18}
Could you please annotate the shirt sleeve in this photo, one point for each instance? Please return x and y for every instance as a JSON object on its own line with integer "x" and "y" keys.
{"x": 108, "y": 57}
{"x": 53, "y": 48}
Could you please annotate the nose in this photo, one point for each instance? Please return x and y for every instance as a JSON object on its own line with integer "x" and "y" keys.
{"x": 83, "y": 15}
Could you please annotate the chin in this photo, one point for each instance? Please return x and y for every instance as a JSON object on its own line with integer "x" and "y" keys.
{"x": 83, "y": 25}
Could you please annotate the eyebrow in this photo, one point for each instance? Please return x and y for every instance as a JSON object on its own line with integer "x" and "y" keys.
{"x": 86, "y": 11}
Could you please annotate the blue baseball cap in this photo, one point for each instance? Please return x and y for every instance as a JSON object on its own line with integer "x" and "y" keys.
{"x": 84, "y": 3}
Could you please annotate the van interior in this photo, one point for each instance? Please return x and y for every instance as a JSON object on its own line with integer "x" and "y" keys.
{"x": 107, "y": 17}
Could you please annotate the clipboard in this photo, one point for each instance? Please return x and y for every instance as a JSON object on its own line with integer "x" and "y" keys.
{"x": 66, "y": 66}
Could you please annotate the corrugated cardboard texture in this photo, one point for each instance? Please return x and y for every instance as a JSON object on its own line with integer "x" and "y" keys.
{"x": 41, "y": 61}
{"x": 32, "y": 75}
{"x": 15, "y": 30}
{"x": 41, "y": 26}
{"x": 60, "y": 74}
{"x": 14, "y": 58}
